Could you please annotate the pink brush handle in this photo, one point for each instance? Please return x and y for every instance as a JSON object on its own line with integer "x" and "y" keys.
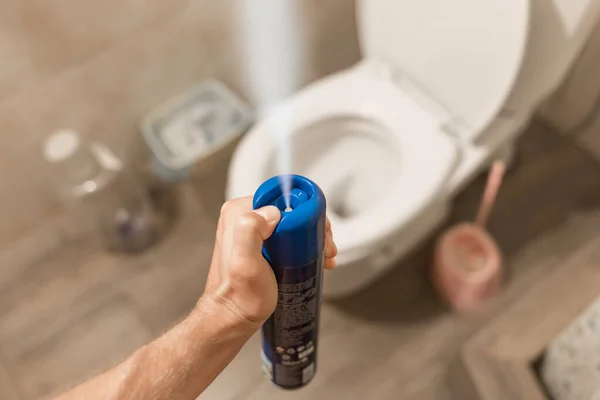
{"x": 491, "y": 191}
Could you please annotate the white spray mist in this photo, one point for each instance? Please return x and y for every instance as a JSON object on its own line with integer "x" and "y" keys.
{"x": 271, "y": 40}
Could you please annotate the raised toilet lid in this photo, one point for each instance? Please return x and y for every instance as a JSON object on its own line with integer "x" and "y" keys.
{"x": 466, "y": 54}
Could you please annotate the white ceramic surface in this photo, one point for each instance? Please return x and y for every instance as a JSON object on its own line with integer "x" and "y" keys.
{"x": 393, "y": 138}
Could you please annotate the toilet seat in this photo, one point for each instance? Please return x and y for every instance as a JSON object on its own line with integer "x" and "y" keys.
{"x": 359, "y": 92}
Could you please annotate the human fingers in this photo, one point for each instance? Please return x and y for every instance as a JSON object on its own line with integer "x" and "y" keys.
{"x": 330, "y": 263}
{"x": 329, "y": 242}
{"x": 330, "y": 246}
{"x": 231, "y": 211}
{"x": 252, "y": 229}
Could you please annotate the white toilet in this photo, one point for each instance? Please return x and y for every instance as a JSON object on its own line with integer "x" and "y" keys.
{"x": 444, "y": 87}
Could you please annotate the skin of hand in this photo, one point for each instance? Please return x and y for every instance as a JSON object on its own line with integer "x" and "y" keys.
{"x": 240, "y": 294}
{"x": 240, "y": 278}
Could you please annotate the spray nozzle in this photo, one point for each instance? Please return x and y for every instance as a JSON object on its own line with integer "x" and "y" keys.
{"x": 297, "y": 197}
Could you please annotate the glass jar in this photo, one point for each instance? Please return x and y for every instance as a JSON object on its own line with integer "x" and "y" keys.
{"x": 104, "y": 191}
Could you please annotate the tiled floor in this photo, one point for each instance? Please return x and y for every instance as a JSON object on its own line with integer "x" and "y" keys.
{"x": 75, "y": 312}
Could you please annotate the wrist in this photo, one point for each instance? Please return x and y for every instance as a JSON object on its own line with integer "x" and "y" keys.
{"x": 217, "y": 315}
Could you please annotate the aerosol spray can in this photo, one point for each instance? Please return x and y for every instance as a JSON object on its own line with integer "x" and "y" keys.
{"x": 295, "y": 251}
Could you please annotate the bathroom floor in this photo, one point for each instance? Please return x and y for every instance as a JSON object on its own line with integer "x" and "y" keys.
{"x": 77, "y": 311}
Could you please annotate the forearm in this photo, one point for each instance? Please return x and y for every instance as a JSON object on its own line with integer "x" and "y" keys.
{"x": 178, "y": 365}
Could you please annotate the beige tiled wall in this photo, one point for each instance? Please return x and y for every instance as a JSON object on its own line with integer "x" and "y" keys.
{"x": 572, "y": 105}
{"x": 98, "y": 66}
{"x": 575, "y": 107}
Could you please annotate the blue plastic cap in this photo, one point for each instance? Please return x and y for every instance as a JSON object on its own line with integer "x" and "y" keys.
{"x": 299, "y": 238}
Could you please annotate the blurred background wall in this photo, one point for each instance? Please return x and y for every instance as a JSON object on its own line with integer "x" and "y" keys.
{"x": 99, "y": 66}
{"x": 574, "y": 108}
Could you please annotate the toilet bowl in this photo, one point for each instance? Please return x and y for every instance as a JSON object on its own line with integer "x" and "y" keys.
{"x": 391, "y": 139}
{"x": 358, "y": 143}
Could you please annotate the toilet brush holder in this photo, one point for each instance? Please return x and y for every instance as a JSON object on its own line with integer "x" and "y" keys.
{"x": 295, "y": 252}
{"x": 467, "y": 266}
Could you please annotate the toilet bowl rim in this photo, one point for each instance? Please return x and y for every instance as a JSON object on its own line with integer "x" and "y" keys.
{"x": 248, "y": 167}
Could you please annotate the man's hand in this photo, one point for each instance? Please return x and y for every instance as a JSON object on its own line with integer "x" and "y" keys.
{"x": 240, "y": 279}
{"x": 240, "y": 294}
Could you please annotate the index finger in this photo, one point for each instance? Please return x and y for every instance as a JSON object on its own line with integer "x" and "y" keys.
{"x": 230, "y": 212}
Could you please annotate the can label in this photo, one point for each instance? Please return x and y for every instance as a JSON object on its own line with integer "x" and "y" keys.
{"x": 290, "y": 334}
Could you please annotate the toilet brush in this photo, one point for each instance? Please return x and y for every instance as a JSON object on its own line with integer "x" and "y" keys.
{"x": 467, "y": 265}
